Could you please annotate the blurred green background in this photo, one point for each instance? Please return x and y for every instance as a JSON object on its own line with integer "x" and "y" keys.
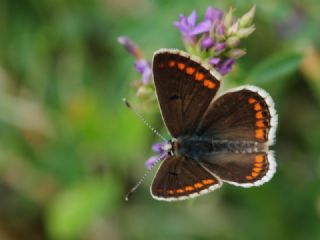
{"x": 70, "y": 150}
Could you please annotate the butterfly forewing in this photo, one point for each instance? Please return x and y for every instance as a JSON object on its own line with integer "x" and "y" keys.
{"x": 184, "y": 88}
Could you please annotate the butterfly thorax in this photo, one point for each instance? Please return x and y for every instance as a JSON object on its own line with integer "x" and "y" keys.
{"x": 196, "y": 147}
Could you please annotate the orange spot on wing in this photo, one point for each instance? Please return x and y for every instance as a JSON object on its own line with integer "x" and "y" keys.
{"x": 198, "y": 185}
{"x": 180, "y": 190}
{"x": 260, "y": 133}
{"x": 259, "y": 159}
{"x": 208, "y": 181}
{"x": 251, "y": 100}
{"x": 256, "y": 169}
{"x": 249, "y": 177}
{"x": 170, "y": 191}
{"x": 260, "y": 123}
{"x": 258, "y": 165}
{"x": 190, "y": 70}
{"x": 209, "y": 84}
{"x": 199, "y": 76}
{"x": 172, "y": 63}
{"x": 257, "y": 107}
{"x": 254, "y": 174}
{"x": 189, "y": 188}
{"x": 181, "y": 66}
{"x": 259, "y": 115}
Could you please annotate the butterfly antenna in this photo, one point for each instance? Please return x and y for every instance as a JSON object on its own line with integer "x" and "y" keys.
{"x": 163, "y": 156}
{"x": 128, "y": 105}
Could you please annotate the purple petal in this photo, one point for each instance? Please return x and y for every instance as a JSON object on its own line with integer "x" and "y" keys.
{"x": 207, "y": 42}
{"x": 219, "y": 47}
{"x": 154, "y": 159}
{"x": 226, "y": 66}
{"x": 185, "y": 31}
{"x": 146, "y": 75}
{"x": 201, "y": 28}
{"x": 192, "y": 18}
{"x": 182, "y": 24}
{"x": 214, "y": 61}
{"x": 157, "y": 147}
{"x": 141, "y": 65}
{"x": 131, "y": 47}
{"x": 214, "y": 14}
{"x": 151, "y": 161}
{"x": 183, "y": 18}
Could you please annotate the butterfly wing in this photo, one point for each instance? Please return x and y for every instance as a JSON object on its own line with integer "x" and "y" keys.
{"x": 179, "y": 178}
{"x": 241, "y": 114}
{"x": 245, "y": 170}
{"x": 245, "y": 115}
{"x": 185, "y": 88}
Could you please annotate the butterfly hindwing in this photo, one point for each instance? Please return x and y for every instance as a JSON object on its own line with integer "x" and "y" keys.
{"x": 245, "y": 170}
{"x": 185, "y": 88}
{"x": 179, "y": 178}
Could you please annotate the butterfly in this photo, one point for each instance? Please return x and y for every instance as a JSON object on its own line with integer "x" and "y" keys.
{"x": 215, "y": 139}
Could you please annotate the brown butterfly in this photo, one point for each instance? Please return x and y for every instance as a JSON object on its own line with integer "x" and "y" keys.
{"x": 214, "y": 139}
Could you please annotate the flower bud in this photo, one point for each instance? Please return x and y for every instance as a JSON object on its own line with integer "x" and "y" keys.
{"x": 219, "y": 37}
{"x": 219, "y": 48}
{"x": 226, "y": 66}
{"x": 207, "y": 43}
{"x": 247, "y": 18}
{"x": 227, "y": 21}
{"x": 236, "y": 53}
{"x": 214, "y": 61}
{"x": 233, "y": 41}
{"x": 233, "y": 29}
{"x": 245, "y": 32}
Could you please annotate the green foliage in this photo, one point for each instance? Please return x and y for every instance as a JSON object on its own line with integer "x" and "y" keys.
{"x": 74, "y": 209}
{"x": 275, "y": 68}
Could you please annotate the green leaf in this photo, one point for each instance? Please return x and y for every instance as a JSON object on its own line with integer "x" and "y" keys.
{"x": 274, "y": 68}
{"x": 72, "y": 211}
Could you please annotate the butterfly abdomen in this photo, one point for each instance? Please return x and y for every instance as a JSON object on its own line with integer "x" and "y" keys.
{"x": 197, "y": 147}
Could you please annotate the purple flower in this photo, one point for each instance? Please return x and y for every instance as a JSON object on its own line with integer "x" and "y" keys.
{"x": 144, "y": 68}
{"x": 161, "y": 154}
{"x": 216, "y": 38}
{"x": 189, "y": 28}
{"x": 157, "y": 147}
{"x": 225, "y": 66}
{"x": 141, "y": 65}
{"x": 131, "y": 47}
{"x": 214, "y": 14}
{"x": 219, "y": 47}
{"x": 207, "y": 42}
{"x": 202, "y": 27}
{"x": 153, "y": 160}
{"x": 214, "y": 61}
